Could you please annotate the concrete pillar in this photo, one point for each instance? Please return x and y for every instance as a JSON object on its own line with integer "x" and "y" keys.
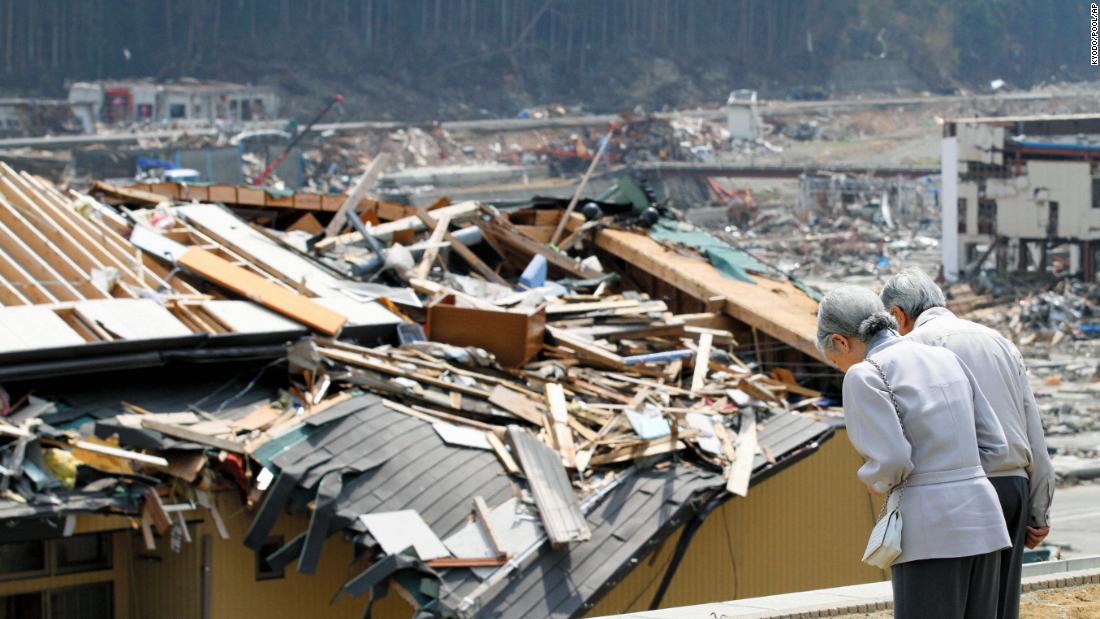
{"x": 949, "y": 207}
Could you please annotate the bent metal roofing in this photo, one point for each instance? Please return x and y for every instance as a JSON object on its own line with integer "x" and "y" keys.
{"x": 392, "y": 462}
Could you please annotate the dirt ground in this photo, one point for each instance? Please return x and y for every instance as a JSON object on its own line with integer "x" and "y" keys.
{"x": 1068, "y": 603}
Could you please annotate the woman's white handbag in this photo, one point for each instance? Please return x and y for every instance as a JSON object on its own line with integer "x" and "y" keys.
{"x": 884, "y": 545}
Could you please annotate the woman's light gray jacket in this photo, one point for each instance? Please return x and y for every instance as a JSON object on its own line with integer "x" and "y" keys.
{"x": 948, "y": 507}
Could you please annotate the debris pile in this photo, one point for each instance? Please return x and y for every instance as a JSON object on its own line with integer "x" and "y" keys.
{"x": 517, "y": 333}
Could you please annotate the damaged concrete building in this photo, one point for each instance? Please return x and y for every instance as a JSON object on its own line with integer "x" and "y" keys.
{"x": 135, "y": 101}
{"x": 1019, "y": 189}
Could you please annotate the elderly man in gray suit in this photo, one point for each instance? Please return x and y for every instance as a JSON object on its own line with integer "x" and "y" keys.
{"x": 1025, "y": 481}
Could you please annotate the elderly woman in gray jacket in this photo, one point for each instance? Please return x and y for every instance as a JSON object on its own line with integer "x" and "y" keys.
{"x": 935, "y": 445}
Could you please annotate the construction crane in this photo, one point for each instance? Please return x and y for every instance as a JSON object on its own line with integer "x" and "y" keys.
{"x": 259, "y": 180}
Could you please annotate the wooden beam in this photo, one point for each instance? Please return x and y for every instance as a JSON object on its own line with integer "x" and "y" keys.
{"x": 263, "y": 291}
{"x": 558, "y": 414}
{"x": 183, "y": 432}
{"x": 580, "y": 188}
{"x": 464, "y": 252}
{"x": 362, "y": 187}
{"x": 462, "y": 210}
{"x": 23, "y": 281}
{"x": 741, "y": 469}
{"x": 62, "y": 218}
{"x": 432, "y": 250}
{"x": 774, "y": 306}
{"x": 484, "y": 515}
{"x": 24, "y": 216}
{"x": 40, "y": 270}
{"x": 702, "y": 363}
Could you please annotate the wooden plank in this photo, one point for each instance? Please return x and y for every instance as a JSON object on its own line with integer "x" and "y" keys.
{"x": 643, "y": 449}
{"x": 465, "y": 253}
{"x": 484, "y": 515}
{"x": 156, "y": 512}
{"x": 462, "y": 210}
{"x": 572, "y": 308}
{"x": 147, "y": 531}
{"x": 580, "y": 187}
{"x": 775, "y": 307}
{"x": 741, "y": 469}
{"x": 10, "y": 295}
{"x": 587, "y": 350}
{"x": 128, "y": 195}
{"x": 60, "y": 219}
{"x": 48, "y": 248}
{"x": 554, "y": 495}
{"x": 558, "y": 414}
{"x": 516, "y": 403}
{"x": 440, "y": 230}
{"x": 505, "y": 236}
{"x": 120, "y": 453}
{"x": 190, "y": 435}
{"x": 432, "y": 416}
{"x": 394, "y": 370}
{"x": 40, "y": 270}
{"x": 262, "y": 291}
{"x": 702, "y": 363}
{"x": 502, "y": 452}
{"x": 23, "y": 281}
{"x": 362, "y": 187}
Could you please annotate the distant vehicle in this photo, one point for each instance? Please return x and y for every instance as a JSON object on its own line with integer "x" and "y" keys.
{"x": 182, "y": 175}
{"x": 807, "y": 93}
{"x": 149, "y": 169}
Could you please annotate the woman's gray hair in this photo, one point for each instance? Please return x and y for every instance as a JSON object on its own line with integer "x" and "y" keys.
{"x": 851, "y": 311}
{"x": 913, "y": 291}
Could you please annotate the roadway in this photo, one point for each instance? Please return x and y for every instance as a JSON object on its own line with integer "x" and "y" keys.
{"x": 1075, "y": 520}
{"x": 766, "y": 108}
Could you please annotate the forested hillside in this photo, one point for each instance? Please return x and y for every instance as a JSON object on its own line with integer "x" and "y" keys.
{"x": 417, "y": 59}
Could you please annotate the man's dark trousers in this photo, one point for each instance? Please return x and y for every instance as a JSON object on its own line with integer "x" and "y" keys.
{"x": 1013, "y": 492}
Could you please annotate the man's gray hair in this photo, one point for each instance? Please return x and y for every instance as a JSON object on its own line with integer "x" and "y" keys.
{"x": 913, "y": 291}
{"x": 851, "y": 311}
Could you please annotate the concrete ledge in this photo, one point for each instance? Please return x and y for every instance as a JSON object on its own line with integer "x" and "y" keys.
{"x": 863, "y": 598}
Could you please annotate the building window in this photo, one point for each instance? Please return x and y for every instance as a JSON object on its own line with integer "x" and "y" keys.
{"x": 1096, "y": 193}
{"x": 94, "y": 600}
{"x": 264, "y": 571}
{"x": 23, "y": 559}
{"x": 23, "y": 606}
{"x": 1052, "y": 218}
{"x": 177, "y": 110}
{"x": 987, "y": 217}
{"x": 66, "y": 555}
{"x": 82, "y": 553}
{"x": 79, "y": 602}
{"x": 962, "y": 215}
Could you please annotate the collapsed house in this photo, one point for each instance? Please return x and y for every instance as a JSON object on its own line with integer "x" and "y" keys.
{"x": 306, "y": 411}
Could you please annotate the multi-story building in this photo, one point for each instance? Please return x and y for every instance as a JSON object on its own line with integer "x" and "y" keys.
{"x": 1017, "y": 188}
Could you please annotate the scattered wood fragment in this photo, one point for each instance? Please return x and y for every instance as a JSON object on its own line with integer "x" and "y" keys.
{"x": 187, "y": 434}
{"x": 702, "y": 363}
{"x": 262, "y": 291}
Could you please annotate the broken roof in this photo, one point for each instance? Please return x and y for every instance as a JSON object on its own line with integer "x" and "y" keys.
{"x": 397, "y": 462}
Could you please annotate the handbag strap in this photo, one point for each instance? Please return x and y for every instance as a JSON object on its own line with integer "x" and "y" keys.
{"x": 897, "y": 411}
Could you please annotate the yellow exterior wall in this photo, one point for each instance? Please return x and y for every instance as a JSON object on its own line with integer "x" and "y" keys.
{"x": 805, "y": 528}
{"x": 172, "y": 588}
